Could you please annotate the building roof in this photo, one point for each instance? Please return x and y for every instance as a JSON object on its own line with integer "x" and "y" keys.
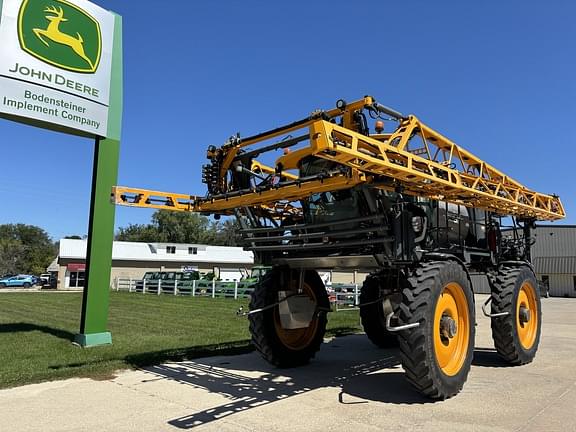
{"x": 135, "y": 251}
{"x": 555, "y": 265}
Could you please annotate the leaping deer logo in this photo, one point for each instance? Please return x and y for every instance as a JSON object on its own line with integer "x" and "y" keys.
{"x": 54, "y": 33}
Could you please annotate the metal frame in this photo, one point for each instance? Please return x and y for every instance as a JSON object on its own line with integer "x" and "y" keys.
{"x": 414, "y": 157}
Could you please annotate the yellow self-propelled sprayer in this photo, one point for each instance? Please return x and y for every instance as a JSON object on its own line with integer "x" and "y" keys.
{"x": 411, "y": 207}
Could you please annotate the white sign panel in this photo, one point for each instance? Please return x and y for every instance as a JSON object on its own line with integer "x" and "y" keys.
{"x": 55, "y": 62}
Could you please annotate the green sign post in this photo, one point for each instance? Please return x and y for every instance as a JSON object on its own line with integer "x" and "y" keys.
{"x": 94, "y": 320}
{"x": 61, "y": 69}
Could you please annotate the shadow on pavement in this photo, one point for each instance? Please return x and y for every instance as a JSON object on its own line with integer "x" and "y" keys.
{"x": 362, "y": 372}
{"x": 27, "y": 327}
{"x": 488, "y": 357}
{"x": 143, "y": 360}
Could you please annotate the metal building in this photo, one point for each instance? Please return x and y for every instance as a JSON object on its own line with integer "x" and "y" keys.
{"x": 554, "y": 258}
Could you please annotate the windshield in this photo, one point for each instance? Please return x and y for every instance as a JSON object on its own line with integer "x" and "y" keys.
{"x": 329, "y": 206}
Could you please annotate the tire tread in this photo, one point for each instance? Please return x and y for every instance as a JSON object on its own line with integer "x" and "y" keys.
{"x": 419, "y": 364}
{"x": 503, "y": 328}
{"x": 262, "y": 329}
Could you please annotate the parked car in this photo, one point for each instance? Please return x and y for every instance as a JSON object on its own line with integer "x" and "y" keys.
{"x": 45, "y": 279}
{"x": 25, "y": 281}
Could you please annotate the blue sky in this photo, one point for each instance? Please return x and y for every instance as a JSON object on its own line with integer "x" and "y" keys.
{"x": 496, "y": 77}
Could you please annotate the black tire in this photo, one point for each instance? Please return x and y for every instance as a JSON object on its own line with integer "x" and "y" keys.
{"x": 2, "y": 285}
{"x": 505, "y": 329}
{"x": 417, "y": 345}
{"x": 373, "y": 316}
{"x": 267, "y": 335}
{"x": 26, "y": 285}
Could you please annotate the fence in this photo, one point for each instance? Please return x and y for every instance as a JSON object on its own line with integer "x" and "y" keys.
{"x": 342, "y": 296}
{"x": 196, "y": 288}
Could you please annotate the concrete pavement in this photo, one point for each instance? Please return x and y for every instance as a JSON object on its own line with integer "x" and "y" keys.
{"x": 350, "y": 386}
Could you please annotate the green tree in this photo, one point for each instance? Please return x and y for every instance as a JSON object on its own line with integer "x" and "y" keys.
{"x": 173, "y": 227}
{"x": 139, "y": 233}
{"x": 25, "y": 249}
{"x": 226, "y": 233}
{"x": 184, "y": 227}
{"x": 11, "y": 253}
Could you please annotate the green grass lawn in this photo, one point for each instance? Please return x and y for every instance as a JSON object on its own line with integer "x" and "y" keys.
{"x": 36, "y": 331}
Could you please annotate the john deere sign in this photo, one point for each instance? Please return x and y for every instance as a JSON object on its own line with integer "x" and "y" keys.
{"x": 61, "y": 68}
{"x": 40, "y": 31}
{"x": 55, "y": 63}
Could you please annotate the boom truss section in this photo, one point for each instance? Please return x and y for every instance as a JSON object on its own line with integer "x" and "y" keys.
{"x": 414, "y": 159}
{"x": 426, "y": 163}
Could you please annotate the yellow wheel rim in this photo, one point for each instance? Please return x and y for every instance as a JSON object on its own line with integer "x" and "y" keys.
{"x": 527, "y": 315}
{"x": 451, "y": 347}
{"x": 297, "y": 339}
